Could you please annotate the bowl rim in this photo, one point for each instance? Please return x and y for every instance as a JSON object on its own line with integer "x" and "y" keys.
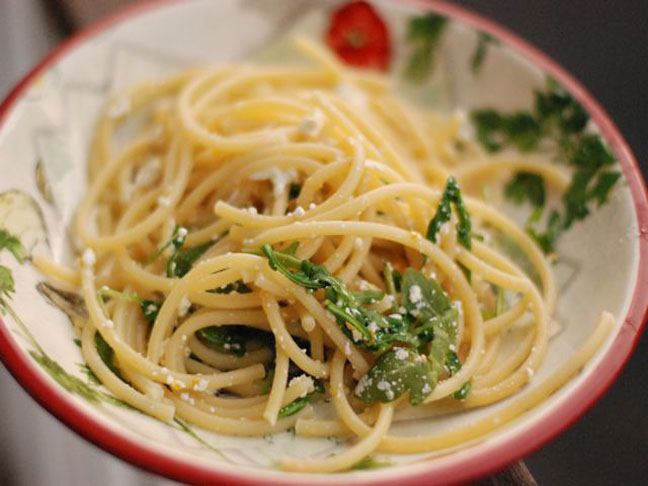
{"x": 471, "y": 462}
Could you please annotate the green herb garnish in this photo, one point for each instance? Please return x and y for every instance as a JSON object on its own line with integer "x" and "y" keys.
{"x": 451, "y": 195}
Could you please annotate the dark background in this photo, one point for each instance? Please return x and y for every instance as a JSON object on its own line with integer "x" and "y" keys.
{"x": 605, "y": 45}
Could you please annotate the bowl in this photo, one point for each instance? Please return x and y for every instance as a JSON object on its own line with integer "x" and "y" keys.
{"x": 46, "y": 124}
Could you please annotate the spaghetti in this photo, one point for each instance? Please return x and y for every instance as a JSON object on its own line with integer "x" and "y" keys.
{"x": 273, "y": 239}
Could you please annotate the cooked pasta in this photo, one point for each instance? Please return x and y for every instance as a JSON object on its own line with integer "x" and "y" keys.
{"x": 263, "y": 242}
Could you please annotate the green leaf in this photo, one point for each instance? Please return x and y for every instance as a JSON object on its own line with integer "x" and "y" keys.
{"x": 393, "y": 279}
{"x": 451, "y": 194}
{"x": 150, "y": 309}
{"x": 394, "y": 373}
{"x": 11, "y": 243}
{"x": 185, "y": 259}
{"x": 295, "y": 190}
{"x": 423, "y": 34}
{"x": 107, "y": 354}
{"x": 237, "y": 286}
{"x": 453, "y": 365}
{"x": 295, "y": 406}
{"x": 366, "y": 297}
{"x": 525, "y": 186}
{"x": 233, "y": 338}
{"x": 176, "y": 241}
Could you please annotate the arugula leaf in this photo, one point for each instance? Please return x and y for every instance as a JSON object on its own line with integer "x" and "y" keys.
{"x": 393, "y": 279}
{"x": 184, "y": 259}
{"x": 368, "y": 296}
{"x": 294, "y": 191}
{"x": 394, "y": 373}
{"x": 526, "y": 186}
{"x": 224, "y": 337}
{"x": 11, "y": 243}
{"x": 423, "y": 34}
{"x": 150, "y": 309}
{"x": 451, "y": 194}
{"x": 296, "y": 405}
{"x": 237, "y": 286}
{"x": 454, "y": 365}
{"x": 365, "y": 327}
{"x": 107, "y": 354}
{"x": 176, "y": 240}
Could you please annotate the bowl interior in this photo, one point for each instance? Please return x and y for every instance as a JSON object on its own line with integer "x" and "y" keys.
{"x": 43, "y": 145}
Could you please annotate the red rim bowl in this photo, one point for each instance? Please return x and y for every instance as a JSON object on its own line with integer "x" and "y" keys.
{"x": 466, "y": 464}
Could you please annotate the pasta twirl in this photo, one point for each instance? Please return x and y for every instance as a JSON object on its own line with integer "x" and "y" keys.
{"x": 266, "y": 241}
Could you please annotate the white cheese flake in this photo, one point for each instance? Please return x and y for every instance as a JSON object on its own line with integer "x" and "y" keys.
{"x": 89, "y": 258}
{"x": 279, "y": 178}
{"x": 401, "y": 353}
{"x": 183, "y": 307}
{"x": 311, "y": 125}
{"x": 415, "y": 295}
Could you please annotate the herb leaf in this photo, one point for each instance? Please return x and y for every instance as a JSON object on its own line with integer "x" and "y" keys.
{"x": 451, "y": 194}
{"x": 237, "y": 286}
{"x": 185, "y": 259}
{"x": 224, "y": 337}
{"x": 150, "y": 309}
{"x": 106, "y": 354}
{"x": 395, "y": 372}
{"x": 295, "y": 406}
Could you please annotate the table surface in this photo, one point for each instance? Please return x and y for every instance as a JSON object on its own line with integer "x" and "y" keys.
{"x": 603, "y": 43}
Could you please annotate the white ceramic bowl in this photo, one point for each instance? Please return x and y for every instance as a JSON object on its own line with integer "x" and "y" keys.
{"x": 45, "y": 126}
